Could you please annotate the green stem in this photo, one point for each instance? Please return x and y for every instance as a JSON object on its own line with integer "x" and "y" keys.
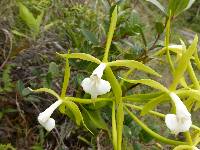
{"x": 152, "y": 133}
{"x": 167, "y": 36}
{"x": 184, "y": 147}
{"x": 193, "y": 76}
{"x": 126, "y": 75}
{"x": 66, "y": 79}
{"x": 116, "y": 88}
{"x": 188, "y": 137}
{"x": 110, "y": 34}
{"x": 114, "y": 128}
{"x": 87, "y": 101}
{"x": 151, "y": 112}
{"x": 120, "y": 120}
{"x": 196, "y": 59}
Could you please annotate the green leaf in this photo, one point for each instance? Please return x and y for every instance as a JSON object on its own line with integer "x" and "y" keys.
{"x": 89, "y": 36}
{"x": 189, "y": 103}
{"x": 114, "y": 84}
{"x": 6, "y": 79}
{"x": 149, "y": 82}
{"x": 74, "y": 112}
{"x": 196, "y": 59}
{"x": 28, "y": 18}
{"x": 46, "y": 90}
{"x": 197, "y": 106}
{"x": 159, "y": 27}
{"x": 82, "y": 56}
{"x": 39, "y": 18}
{"x": 96, "y": 118}
{"x": 182, "y": 64}
{"x": 53, "y": 69}
{"x": 20, "y": 86}
{"x": 112, "y": 27}
{"x": 120, "y": 120}
{"x": 137, "y": 146}
{"x": 189, "y": 4}
{"x": 6, "y": 147}
{"x": 153, "y": 103}
{"x": 25, "y": 92}
{"x": 142, "y": 97}
{"x": 157, "y": 4}
{"x": 178, "y": 6}
{"x": 66, "y": 79}
{"x": 114, "y": 127}
{"x": 19, "y": 34}
{"x": 145, "y": 137}
{"x": 74, "y": 109}
{"x": 133, "y": 64}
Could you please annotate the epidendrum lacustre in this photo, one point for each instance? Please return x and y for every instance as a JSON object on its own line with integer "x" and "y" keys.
{"x": 45, "y": 119}
{"x": 94, "y": 85}
{"x": 181, "y": 121}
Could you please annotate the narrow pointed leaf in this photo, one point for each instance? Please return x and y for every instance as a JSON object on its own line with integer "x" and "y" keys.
{"x": 114, "y": 84}
{"x": 182, "y": 65}
{"x": 120, "y": 120}
{"x": 114, "y": 127}
{"x": 82, "y": 56}
{"x": 196, "y": 59}
{"x": 142, "y": 97}
{"x": 74, "y": 109}
{"x": 96, "y": 118}
{"x": 47, "y": 91}
{"x": 149, "y": 82}
{"x": 158, "y": 5}
{"x": 133, "y": 64}
{"x": 153, "y": 103}
{"x": 112, "y": 27}
{"x": 39, "y": 18}
{"x": 89, "y": 36}
{"x": 28, "y": 18}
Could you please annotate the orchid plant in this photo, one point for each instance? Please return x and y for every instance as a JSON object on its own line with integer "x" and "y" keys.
{"x": 180, "y": 120}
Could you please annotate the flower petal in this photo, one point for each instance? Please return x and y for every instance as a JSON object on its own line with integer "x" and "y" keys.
{"x": 99, "y": 70}
{"x": 176, "y": 125}
{"x": 171, "y": 122}
{"x": 49, "y": 124}
{"x": 185, "y": 125}
{"x": 195, "y": 148}
{"x": 87, "y": 85}
{"x": 45, "y": 115}
{"x": 181, "y": 109}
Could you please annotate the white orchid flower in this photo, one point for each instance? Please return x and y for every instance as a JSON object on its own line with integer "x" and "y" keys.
{"x": 181, "y": 121}
{"x": 195, "y": 148}
{"x": 94, "y": 85}
{"x": 44, "y": 117}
